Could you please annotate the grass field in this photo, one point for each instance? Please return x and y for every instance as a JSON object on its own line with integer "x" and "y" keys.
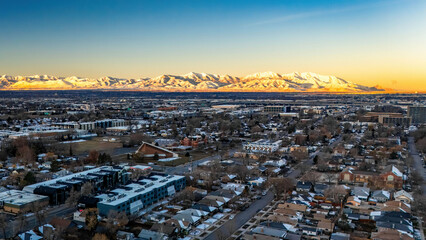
{"x": 196, "y": 155}
{"x": 80, "y": 148}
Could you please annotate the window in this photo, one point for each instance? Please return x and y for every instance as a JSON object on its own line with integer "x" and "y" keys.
{"x": 390, "y": 178}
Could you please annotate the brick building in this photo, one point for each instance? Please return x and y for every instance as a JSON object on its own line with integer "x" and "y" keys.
{"x": 152, "y": 152}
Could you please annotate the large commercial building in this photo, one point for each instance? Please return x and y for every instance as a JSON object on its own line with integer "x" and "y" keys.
{"x": 276, "y": 109}
{"x": 417, "y": 114}
{"x": 102, "y": 178}
{"x": 134, "y": 197}
{"x": 17, "y": 201}
{"x": 262, "y": 146}
{"x": 105, "y": 123}
{"x": 401, "y": 121}
{"x": 378, "y": 116}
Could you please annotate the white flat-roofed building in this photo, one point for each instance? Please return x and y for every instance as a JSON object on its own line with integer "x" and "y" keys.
{"x": 262, "y": 146}
{"x": 17, "y": 201}
{"x": 226, "y": 106}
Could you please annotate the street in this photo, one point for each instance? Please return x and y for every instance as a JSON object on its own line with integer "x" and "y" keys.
{"x": 228, "y": 228}
{"x": 418, "y": 162}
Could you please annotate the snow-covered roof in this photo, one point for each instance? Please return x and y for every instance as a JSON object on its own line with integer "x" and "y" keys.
{"x": 396, "y": 171}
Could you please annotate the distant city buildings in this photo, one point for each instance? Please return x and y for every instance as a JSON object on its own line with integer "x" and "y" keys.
{"x": 277, "y": 109}
{"x": 417, "y": 114}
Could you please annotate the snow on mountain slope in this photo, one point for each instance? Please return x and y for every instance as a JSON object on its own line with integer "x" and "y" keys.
{"x": 264, "y": 81}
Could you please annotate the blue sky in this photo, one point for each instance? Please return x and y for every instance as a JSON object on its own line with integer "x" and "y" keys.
{"x": 363, "y": 41}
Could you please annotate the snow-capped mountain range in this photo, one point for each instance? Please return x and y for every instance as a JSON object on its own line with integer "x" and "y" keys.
{"x": 258, "y": 82}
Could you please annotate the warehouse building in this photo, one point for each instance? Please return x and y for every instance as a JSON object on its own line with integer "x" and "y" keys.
{"x": 16, "y": 201}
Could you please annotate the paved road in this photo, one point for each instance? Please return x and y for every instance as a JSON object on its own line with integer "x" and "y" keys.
{"x": 418, "y": 162}
{"x": 227, "y": 229}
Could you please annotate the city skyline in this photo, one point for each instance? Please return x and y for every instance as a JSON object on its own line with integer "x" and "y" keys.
{"x": 369, "y": 43}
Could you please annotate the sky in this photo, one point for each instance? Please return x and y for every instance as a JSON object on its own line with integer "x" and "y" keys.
{"x": 368, "y": 42}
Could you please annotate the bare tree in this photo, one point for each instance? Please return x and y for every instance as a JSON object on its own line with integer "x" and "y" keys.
{"x": 91, "y": 219}
{"x": 25, "y": 155}
{"x": 241, "y": 171}
{"x": 335, "y": 193}
{"x": 73, "y": 198}
{"x": 87, "y": 189}
{"x": 311, "y": 176}
{"x": 281, "y": 185}
{"x": 183, "y": 195}
{"x": 93, "y": 157}
{"x": 416, "y": 178}
{"x": 39, "y": 212}
{"x": 116, "y": 220}
{"x": 22, "y": 222}
{"x": 419, "y": 205}
{"x": 330, "y": 177}
{"x": 3, "y": 224}
{"x": 303, "y": 168}
{"x": 136, "y": 174}
{"x": 100, "y": 236}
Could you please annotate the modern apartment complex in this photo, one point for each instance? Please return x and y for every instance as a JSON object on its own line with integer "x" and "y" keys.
{"x": 102, "y": 178}
{"x": 134, "y": 197}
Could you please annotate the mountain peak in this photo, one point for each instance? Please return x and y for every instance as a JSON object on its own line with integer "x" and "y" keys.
{"x": 263, "y": 75}
{"x": 257, "y": 82}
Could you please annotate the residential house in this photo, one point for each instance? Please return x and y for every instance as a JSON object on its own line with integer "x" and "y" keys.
{"x": 380, "y": 196}
{"x": 296, "y": 207}
{"x": 319, "y": 188}
{"x": 350, "y": 175}
{"x": 151, "y": 235}
{"x": 266, "y": 233}
{"x": 390, "y": 234}
{"x": 340, "y": 236}
{"x": 326, "y": 226}
{"x": 353, "y": 201}
{"x": 303, "y": 186}
{"x": 390, "y": 178}
{"x": 361, "y": 192}
{"x": 257, "y": 182}
{"x": 403, "y": 196}
{"x": 311, "y": 231}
